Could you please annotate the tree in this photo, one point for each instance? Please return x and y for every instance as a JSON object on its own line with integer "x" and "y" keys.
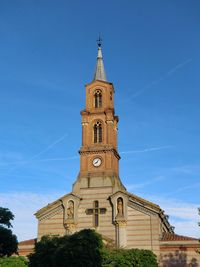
{"x": 6, "y": 216}
{"x": 8, "y": 241}
{"x": 80, "y": 249}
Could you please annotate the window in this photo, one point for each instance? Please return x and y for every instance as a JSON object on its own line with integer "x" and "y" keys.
{"x": 98, "y": 133}
{"x": 98, "y": 99}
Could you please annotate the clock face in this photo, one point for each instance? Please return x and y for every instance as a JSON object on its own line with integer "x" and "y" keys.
{"x": 96, "y": 162}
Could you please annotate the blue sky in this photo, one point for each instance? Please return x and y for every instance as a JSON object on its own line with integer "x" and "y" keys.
{"x": 151, "y": 54}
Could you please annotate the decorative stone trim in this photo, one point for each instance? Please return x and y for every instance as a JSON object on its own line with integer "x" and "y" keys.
{"x": 141, "y": 208}
{"x": 70, "y": 227}
{"x": 109, "y": 121}
{"x": 99, "y": 150}
{"x": 51, "y": 213}
{"x": 121, "y": 223}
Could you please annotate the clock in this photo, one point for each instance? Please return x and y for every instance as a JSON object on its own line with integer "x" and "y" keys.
{"x": 96, "y": 162}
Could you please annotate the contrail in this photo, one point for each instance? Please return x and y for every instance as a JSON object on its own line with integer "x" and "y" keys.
{"x": 49, "y": 147}
{"x": 33, "y": 159}
{"x": 184, "y": 188}
{"x": 38, "y": 160}
{"x": 38, "y": 154}
{"x": 169, "y": 73}
{"x": 145, "y": 150}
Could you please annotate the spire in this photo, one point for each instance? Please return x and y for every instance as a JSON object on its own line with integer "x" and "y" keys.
{"x": 99, "y": 72}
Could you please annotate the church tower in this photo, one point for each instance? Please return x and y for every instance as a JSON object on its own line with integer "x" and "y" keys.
{"x": 98, "y": 199}
{"x": 99, "y": 157}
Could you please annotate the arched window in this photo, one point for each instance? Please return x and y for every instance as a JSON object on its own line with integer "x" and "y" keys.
{"x": 98, "y": 133}
{"x": 98, "y": 99}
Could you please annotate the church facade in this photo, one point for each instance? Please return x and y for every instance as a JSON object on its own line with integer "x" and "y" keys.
{"x": 100, "y": 201}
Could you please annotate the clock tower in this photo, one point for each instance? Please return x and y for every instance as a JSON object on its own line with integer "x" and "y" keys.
{"x": 99, "y": 157}
{"x": 99, "y": 200}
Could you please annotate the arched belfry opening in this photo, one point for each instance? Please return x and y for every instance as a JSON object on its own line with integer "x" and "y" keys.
{"x": 98, "y": 132}
{"x": 98, "y": 99}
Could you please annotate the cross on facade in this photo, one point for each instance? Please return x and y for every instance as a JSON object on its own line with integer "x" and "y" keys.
{"x": 95, "y": 211}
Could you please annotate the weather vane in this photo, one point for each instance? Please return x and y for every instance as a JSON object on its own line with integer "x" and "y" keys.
{"x": 99, "y": 41}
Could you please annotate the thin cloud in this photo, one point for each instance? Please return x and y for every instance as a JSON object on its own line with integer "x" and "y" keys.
{"x": 192, "y": 169}
{"x": 183, "y": 215}
{"x": 146, "y": 150}
{"x": 166, "y": 75}
{"x": 142, "y": 185}
{"x": 24, "y": 205}
{"x": 38, "y": 154}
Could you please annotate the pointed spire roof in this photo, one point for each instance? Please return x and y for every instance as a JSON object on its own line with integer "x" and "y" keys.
{"x": 100, "y": 71}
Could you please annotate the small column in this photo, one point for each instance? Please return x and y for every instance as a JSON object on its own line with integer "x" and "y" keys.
{"x": 120, "y": 224}
{"x": 84, "y": 133}
{"x": 121, "y": 233}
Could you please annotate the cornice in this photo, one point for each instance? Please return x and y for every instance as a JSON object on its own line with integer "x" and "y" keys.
{"x": 88, "y": 151}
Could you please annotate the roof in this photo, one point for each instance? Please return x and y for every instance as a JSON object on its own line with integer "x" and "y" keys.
{"x": 175, "y": 237}
{"x": 28, "y": 242}
{"x": 144, "y": 201}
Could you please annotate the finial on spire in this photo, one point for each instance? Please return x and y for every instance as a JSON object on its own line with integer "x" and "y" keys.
{"x": 99, "y": 41}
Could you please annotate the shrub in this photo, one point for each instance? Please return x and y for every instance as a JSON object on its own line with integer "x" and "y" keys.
{"x": 129, "y": 258}
{"x": 13, "y": 262}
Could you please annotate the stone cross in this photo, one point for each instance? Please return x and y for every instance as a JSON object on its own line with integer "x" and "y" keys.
{"x": 95, "y": 211}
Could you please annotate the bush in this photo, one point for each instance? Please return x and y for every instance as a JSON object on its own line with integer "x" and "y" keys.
{"x": 13, "y": 262}
{"x": 129, "y": 258}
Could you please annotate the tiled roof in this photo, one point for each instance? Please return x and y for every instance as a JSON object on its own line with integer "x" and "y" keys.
{"x": 175, "y": 237}
{"x": 27, "y": 242}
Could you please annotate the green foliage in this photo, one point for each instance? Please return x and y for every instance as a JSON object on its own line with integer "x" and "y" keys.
{"x": 5, "y": 217}
{"x": 13, "y": 262}
{"x": 80, "y": 249}
{"x": 85, "y": 249}
{"x": 129, "y": 258}
{"x": 8, "y": 241}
